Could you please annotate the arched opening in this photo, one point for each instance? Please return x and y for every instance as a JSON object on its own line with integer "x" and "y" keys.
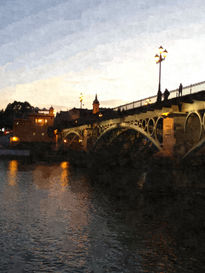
{"x": 72, "y": 141}
{"x": 150, "y": 126}
{"x": 140, "y": 123}
{"x": 159, "y": 130}
{"x": 144, "y": 123}
{"x": 113, "y": 134}
{"x": 125, "y": 146}
{"x": 193, "y": 128}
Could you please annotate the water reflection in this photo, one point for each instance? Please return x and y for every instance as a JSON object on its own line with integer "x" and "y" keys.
{"x": 12, "y": 172}
{"x": 55, "y": 221}
{"x": 64, "y": 174}
{"x": 59, "y": 182}
{"x": 162, "y": 208}
{"x": 49, "y": 177}
{"x": 159, "y": 251}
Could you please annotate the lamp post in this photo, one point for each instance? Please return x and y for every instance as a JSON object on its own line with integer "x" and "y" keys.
{"x": 159, "y": 58}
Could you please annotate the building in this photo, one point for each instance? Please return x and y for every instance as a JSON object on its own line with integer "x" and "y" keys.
{"x": 79, "y": 116}
{"x": 37, "y": 127}
{"x": 65, "y": 119}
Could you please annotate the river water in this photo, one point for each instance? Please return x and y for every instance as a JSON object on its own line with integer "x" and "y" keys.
{"x": 52, "y": 219}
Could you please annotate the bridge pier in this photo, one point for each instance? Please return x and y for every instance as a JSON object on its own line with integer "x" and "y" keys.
{"x": 174, "y": 138}
{"x": 85, "y": 140}
{"x": 169, "y": 139}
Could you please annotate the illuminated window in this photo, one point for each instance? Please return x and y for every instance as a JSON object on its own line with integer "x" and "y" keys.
{"x": 17, "y": 123}
{"x": 34, "y": 133}
{"x": 42, "y": 134}
{"x": 39, "y": 121}
{"x": 46, "y": 121}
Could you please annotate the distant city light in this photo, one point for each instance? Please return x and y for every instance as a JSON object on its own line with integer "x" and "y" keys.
{"x": 14, "y": 139}
{"x": 148, "y": 101}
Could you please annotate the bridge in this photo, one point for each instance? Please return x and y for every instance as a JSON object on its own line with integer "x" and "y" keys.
{"x": 173, "y": 127}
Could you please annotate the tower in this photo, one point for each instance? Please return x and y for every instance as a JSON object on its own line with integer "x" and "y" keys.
{"x": 51, "y": 111}
{"x": 96, "y": 105}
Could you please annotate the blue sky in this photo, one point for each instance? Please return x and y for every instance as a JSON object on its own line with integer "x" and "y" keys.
{"x": 52, "y": 50}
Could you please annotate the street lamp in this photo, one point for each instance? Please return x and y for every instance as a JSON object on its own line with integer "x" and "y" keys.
{"x": 159, "y": 58}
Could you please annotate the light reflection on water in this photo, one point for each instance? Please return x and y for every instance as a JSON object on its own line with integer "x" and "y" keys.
{"x": 52, "y": 220}
{"x": 50, "y": 177}
{"x": 12, "y": 172}
{"x": 64, "y": 175}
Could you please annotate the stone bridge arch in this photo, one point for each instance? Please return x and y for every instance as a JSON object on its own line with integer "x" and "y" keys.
{"x": 66, "y": 134}
{"x": 74, "y": 142}
{"x": 128, "y": 127}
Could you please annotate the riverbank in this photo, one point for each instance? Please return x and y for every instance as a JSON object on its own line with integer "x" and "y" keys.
{"x": 14, "y": 153}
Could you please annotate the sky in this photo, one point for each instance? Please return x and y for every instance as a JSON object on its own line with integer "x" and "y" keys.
{"x": 53, "y": 50}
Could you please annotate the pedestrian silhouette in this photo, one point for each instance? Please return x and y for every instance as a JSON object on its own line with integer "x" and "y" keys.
{"x": 180, "y": 89}
{"x": 166, "y": 94}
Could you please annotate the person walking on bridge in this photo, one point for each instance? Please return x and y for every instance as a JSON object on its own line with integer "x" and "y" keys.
{"x": 166, "y": 94}
{"x": 180, "y": 90}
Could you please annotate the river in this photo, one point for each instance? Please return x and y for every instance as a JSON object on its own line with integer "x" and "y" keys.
{"x": 54, "y": 219}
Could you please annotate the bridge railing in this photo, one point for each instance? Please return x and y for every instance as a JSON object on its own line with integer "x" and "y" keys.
{"x": 190, "y": 89}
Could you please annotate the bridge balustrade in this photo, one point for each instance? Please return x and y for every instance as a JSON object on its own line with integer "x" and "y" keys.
{"x": 190, "y": 89}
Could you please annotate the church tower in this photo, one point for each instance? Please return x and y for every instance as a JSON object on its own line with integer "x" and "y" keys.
{"x": 51, "y": 111}
{"x": 96, "y": 105}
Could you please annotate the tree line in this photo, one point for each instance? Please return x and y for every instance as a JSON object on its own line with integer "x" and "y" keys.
{"x": 15, "y": 110}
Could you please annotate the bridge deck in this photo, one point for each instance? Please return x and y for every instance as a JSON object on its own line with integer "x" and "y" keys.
{"x": 190, "y": 98}
{"x": 190, "y": 89}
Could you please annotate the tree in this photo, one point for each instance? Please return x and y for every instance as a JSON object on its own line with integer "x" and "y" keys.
{"x": 2, "y": 118}
{"x": 14, "y": 110}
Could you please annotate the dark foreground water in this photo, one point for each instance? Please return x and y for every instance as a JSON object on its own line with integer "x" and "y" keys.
{"x": 53, "y": 219}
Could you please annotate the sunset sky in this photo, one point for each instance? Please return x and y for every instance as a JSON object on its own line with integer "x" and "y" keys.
{"x": 52, "y": 50}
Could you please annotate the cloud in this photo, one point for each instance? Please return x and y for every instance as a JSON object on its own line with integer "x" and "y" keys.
{"x": 51, "y": 55}
{"x": 112, "y": 103}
